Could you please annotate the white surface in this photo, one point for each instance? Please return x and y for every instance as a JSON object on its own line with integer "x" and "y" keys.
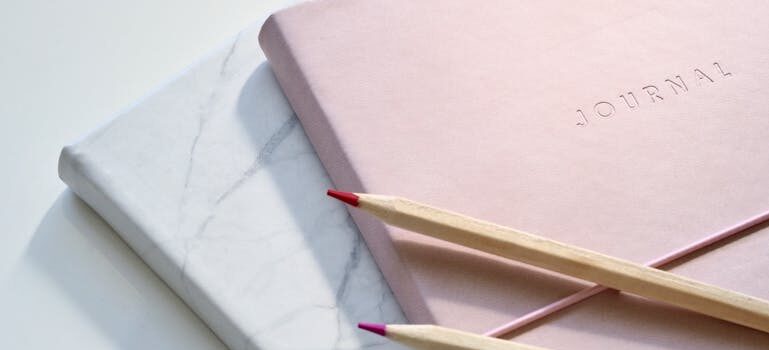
{"x": 213, "y": 182}
{"x": 66, "y": 280}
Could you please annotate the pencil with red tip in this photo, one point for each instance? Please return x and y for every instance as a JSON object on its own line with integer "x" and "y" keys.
{"x": 563, "y": 258}
{"x": 429, "y": 337}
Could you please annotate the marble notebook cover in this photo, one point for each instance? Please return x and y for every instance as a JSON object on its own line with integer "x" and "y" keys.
{"x": 629, "y": 128}
{"x": 211, "y": 180}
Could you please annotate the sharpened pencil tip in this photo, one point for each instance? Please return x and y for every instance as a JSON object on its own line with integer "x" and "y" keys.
{"x": 377, "y": 328}
{"x": 347, "y": 197}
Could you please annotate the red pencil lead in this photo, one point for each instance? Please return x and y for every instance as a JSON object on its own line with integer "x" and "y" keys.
{"x": 347, "y": 197}
{"x": 374, "y": 328}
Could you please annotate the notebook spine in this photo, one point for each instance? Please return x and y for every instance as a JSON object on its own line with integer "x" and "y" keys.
{"x": 91, "y": 184}
{"x": 309, "y": 109}
{"x": 76, "y": 172}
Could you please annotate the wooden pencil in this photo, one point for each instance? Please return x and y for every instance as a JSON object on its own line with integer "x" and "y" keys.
{"x": 429, "y": 337}
{"x": 563, "y": 258}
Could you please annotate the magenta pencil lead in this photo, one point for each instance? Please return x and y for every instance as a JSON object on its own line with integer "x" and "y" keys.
{"x": 377, "y": 328}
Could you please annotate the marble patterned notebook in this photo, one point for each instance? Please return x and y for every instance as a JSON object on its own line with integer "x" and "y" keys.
{"x": 211, "y": 180}
{"x": 629, "y": 128}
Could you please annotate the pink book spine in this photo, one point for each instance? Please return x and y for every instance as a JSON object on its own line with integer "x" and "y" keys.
{"x": 289, "y": 72}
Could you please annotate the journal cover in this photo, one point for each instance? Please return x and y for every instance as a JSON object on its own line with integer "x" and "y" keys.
{"x": 629, "y": 128}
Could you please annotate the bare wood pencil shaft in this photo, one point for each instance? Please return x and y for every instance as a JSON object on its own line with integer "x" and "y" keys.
{"x": 569, "y": 260}
{"x": 428, "y": 337}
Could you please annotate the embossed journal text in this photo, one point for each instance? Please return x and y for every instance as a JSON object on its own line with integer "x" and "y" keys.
{"x": 649, "y": 94}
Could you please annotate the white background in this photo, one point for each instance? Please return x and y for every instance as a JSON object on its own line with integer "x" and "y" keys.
{"x": 66, "y": 280}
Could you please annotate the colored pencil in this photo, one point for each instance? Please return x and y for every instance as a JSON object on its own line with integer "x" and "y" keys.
{"x": 563, "y": 258}
{"x": 429, "y": 337}
{"x": 659, "y": 262}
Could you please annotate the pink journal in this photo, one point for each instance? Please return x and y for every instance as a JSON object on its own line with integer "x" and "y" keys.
{"x": 629, "y": 128}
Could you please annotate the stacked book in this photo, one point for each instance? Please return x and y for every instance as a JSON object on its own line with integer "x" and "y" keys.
{"x": 631, "y": 129}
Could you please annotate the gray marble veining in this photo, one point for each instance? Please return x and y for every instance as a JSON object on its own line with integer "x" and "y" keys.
{"x": 212, "y": 181}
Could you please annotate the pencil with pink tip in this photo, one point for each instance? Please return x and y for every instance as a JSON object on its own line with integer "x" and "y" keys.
{"x": 570, "y": 260}
{"x": 429, "y": 337}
